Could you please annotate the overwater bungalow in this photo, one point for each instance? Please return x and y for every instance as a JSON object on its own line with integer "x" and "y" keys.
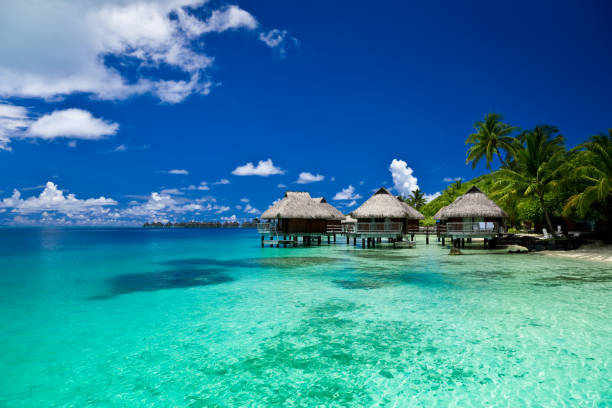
{"x": 384, "y": 216}
{"x": 298, "y": 214}
{"x": 471, "y": 215}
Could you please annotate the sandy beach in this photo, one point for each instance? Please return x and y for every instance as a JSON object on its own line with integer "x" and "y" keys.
{"x": 593, "y": 252}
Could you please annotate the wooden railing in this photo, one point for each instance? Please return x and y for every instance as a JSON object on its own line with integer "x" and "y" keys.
{"x": 335, "y": 229}
{"x": 379, "y": 227}
{"x": 266, "y": 228}
{"x": 475, "y": 228}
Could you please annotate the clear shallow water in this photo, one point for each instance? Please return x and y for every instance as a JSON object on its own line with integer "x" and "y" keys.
{"x": 198, "y": 318}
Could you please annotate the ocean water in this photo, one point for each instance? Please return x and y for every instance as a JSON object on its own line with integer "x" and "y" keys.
{"x": 208, "y": 318}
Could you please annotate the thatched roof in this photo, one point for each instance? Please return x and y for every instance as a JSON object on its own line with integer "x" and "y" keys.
{"x": 299, "y": 205}
{"x": 383, "y": 204}
{"x": 473, "y": 203}
{"x": 333, "y": 210}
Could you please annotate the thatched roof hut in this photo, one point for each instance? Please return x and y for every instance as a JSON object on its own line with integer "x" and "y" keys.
{"x": 473, "y": 203}
{"x": 299, "y": 205}
{"x": 383, "y": 204}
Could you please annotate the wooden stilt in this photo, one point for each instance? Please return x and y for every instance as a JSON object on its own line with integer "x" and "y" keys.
{"x": 328, "y": 239}
{"x": 319, "y": 241}
{"x": 334, "y": 238}
{"x": 262, "y": 241}
{"x": 363, "y": 242}
{"x": 354, "y": 241}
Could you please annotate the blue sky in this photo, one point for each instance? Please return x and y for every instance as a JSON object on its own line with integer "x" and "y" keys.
{"x": 99, "y": 101}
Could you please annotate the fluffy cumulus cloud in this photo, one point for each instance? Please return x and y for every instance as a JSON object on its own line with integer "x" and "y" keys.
{"x": 55, "y": 207}
{"x": 223, "y": 181}
{"x": 451, "y": 179}
{"x": 264, "y": 168}
{"x": 306, "y": 177}
{"x": 71, "y": 123}
{"x": 403, "y": 180}
{"x": 17, "y": 122}
{"x": 347, "y": 194}
{"x": 53, "y": 200}
{"x": 112, "y": 49}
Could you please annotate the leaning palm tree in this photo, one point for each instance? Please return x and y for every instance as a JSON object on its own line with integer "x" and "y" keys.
{"x": 491, "y": 137}
{"x": 535, "y": 171}
{"x": 593, "y": 168}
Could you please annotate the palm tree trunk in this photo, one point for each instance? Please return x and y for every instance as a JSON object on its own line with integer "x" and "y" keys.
{"x": 500, "y": 158}
{"x": 546, "y": 215}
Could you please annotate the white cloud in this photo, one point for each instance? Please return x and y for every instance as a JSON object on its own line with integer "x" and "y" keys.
{"x": 431, "y": 197}
{"x": 245, "y": 200}
{"x": 403, "y": 180}
{"x": 16, "y": 122}
{"x": 306, "y": 177}
{"x": 232, "y": 17}
{"x": 13, "y": 120}
{"x": 233, "y": 218}
{"x": 278, "y": 40}
{"x": 220, "y": 209}
{"x": 72, "y": 143}
{"x": 451, "y": 179}
{"x": 347, "y": 194}
{"x": 53, "y": 199}
{"x": 121, "y": 148}
{"x": 54, "y": 207}
{"x": 178, "y": 171}
{"x": 72, "y": 124}
{"x": 281, "y": 185}
{"x": 352, "y": 203}
{"x": 333, "y": 178}
{"x": 174, "y": 191}
{"x": 264, "y": 168}
{"x": 251, "y": 210}
{"x": 222, "y": 181}
{"x": 63, "y": 46}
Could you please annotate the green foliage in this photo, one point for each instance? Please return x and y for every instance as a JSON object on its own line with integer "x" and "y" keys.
{"x": 539, "y": 178}
{"x": 591, "y": 167}
{"x": 491, "y": 137}
{"x": 535, "y": 169}
{"x": 427, "y": 222}
{"x": 416, "y": 199}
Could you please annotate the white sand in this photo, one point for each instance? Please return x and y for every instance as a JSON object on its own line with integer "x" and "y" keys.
{"x": 592, "y": 252}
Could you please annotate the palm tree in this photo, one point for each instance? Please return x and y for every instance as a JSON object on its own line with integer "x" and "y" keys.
{"x": 490, "y": 138}
{"x": 535, "y": 170}
{"x": 593, "y": 168}
{"x": 417, "y": 199}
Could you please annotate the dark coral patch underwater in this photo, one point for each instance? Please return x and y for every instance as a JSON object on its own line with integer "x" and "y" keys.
{"x": 178, "y": 278}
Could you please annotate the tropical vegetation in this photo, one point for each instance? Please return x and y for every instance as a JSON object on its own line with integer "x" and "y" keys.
{"x": 539, "y": 181}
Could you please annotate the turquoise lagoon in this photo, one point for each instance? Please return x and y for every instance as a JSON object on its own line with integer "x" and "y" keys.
{"x": 208, "y": 318}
